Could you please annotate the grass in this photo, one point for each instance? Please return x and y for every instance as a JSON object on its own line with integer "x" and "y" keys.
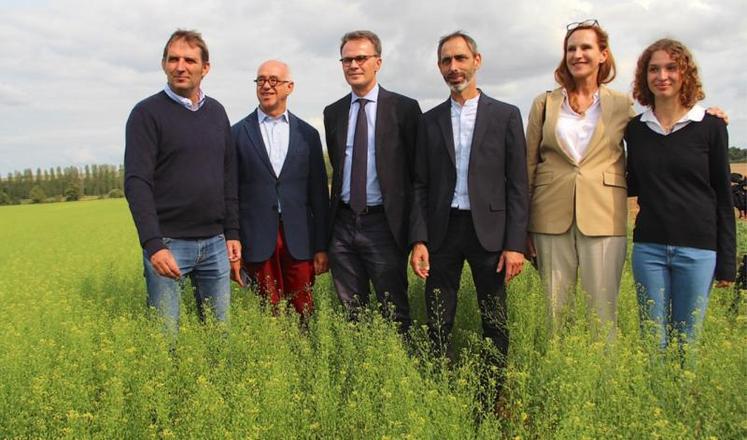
{"x": 80, "y": 357}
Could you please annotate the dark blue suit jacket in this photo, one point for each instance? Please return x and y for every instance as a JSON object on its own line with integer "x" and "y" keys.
{"x": 301, "y": 188}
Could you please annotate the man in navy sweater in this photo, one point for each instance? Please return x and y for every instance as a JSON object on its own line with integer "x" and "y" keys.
{"x": 180, "y": 183}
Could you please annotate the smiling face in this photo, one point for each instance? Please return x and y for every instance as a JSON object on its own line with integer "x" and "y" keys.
{"x": 184, "y": 68}
{"x": 583, "y": 55}
{"x": 360, "y": 75}
{"x": 458, "y": 65}
{"x": 274, "y": 100}
{"x": 663, "y": 75}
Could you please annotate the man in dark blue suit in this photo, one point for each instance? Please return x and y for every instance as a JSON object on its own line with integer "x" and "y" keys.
{"x": 283, "y": 195}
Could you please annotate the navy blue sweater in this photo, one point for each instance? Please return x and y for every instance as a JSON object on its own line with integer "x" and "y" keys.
{"x": 180, "y": 175}
{"x": 683, "y": 188}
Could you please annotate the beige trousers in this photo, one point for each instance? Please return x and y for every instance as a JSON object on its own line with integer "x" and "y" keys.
{"x": 597, "y": 260}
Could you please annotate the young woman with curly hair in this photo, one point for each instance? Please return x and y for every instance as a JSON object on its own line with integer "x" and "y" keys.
{"x": 678, "y": 166}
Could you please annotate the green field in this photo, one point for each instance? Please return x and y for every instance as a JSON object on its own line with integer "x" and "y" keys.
{"x": 80, "y": 358}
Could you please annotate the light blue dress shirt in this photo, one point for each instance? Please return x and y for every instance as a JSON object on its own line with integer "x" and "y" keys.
{"x": 186, "y": 102}
{"x": 463, "y": 127}
{"x": 275, "y": 135}
{"x": 373, "y": 190}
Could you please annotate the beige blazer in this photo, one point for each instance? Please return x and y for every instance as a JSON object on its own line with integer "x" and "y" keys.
{"x": 592, "y": 191}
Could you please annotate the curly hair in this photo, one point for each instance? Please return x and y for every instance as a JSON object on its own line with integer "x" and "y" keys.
{"x": 692, "y": 89}
{"x": 607, "y": 70}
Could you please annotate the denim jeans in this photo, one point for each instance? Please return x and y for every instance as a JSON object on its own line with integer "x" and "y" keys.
{"x": 673, "y": 283}
{"x": 205, "y": 262}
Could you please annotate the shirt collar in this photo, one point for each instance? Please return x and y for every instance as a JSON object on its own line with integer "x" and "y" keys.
{"x": 696, "y": 114}
{"x": 469, "y": 103}
{"x": 262, "y": 116}
{"x": 371, "y": 96}
{"x": 186, "y": 102}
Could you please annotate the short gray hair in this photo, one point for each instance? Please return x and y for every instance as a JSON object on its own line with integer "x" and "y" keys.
{"x": 471, "y": 43}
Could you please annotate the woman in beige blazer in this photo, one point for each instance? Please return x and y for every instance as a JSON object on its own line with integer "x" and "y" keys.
{"x": 576, "y": 164}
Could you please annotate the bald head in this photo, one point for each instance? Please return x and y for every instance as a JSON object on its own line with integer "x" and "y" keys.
{"x": 273, "y": 100}
{"x": 279, "y": 67}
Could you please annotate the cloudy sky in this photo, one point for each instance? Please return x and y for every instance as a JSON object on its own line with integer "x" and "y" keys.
{"x": 73, "y": 69}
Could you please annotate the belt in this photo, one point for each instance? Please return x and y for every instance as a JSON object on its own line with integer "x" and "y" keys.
{"x": 456, "y": 212}
{"x": 367, "y": 210}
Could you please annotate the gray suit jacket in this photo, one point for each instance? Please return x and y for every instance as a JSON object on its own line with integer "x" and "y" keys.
{"x": 497, "y": 177}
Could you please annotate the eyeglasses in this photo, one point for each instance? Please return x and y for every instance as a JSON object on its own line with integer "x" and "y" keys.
{"x": 359, "y": 59}
{"x": 591, "y": 22}
{"x": 273, "y": 81}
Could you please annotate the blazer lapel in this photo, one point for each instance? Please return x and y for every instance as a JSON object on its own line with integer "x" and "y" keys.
{"x": 342, "y": 132}
{"x": 552, "y": 113}
{"x": 255, "y": 138}
{"x": 444, "y": 121}
{"x": 293, "y": 140}
{"x": 481, "y": 124}
{"x": 596, "y": 138}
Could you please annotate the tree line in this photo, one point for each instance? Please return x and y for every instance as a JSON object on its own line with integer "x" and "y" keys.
{"x": 62, "y": 184}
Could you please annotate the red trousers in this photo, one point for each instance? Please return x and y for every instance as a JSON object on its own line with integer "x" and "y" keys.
{"x": 282, "y": 276}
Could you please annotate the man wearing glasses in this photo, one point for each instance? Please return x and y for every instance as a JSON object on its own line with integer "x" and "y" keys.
{"x": 370, "y": 137}
{"x": 283, "y": 195}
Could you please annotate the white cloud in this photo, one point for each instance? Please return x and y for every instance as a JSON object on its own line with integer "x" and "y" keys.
{"x": 73, "y": 69}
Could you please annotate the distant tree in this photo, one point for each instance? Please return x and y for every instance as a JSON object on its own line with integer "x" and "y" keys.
{"x": 737, "y": 154}
{"x": 72, "y": 193}
{"x": 5, "y": 198}
{"x": 37, "y": 194}
{"x": 116, "y": 193}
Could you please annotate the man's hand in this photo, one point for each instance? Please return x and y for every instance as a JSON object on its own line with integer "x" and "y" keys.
{"x": 723, "y": 283}
{"x": 717, "y": 112}
{"x": 512, "y": 262}
{"x": 233, "y": 247}
{"x": 420, "y": 261}
{"x": 164, "y": 263}
{"x": 321, "y": 263}
{"x": 236, "y": 272}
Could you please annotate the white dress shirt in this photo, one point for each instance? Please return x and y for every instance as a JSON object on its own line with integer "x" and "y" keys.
{"x": 275, "y": 135}
{"x": 574, "y": 130}
{"x": 696, "y": 114}
{"x": 463, "y": 127}
{"x": 373, "y": 189}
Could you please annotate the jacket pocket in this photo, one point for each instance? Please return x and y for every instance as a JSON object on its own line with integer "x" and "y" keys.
{"x": 612, "y": 179}
{"x": 543, "y": 178}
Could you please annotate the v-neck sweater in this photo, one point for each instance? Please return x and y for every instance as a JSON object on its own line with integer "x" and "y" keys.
{"x": 180, "y": 177}
{"x": 682, "y": 181}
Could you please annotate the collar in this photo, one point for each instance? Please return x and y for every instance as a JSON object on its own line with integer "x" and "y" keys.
{"x": 262, "y": 116}
{"x": 371, "y": 96}
{"x": 469, "y": 103}
{"x": 696, "y": 114}
{"x": 186, "y": 102}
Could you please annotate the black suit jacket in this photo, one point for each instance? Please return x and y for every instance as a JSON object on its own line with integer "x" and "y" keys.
{"x": 396, "y": 127}
{"x": 301, "y": 188}
{"x": 497, "y": 177}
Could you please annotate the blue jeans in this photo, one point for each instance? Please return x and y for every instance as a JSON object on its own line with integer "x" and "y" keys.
{"x": 673, "y": 283}
{"x": 205, "y": 262}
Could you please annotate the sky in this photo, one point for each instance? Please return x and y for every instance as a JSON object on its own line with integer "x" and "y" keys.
{"x": 73, "y": 69}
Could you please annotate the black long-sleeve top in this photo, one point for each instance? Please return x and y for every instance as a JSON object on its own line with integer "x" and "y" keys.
{"x": 683, "y": 188}
{"x": 180, "y": 175}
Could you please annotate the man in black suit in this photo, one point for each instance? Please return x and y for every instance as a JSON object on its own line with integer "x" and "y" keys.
{"x": 283, "y": 194}
{"x": 471, "y": 197}
{"x": 370, "y": 141}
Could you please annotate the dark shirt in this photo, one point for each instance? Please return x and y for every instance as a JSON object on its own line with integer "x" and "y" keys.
{"x": 180, "y": 176}
{"x": 683, "y": 188}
